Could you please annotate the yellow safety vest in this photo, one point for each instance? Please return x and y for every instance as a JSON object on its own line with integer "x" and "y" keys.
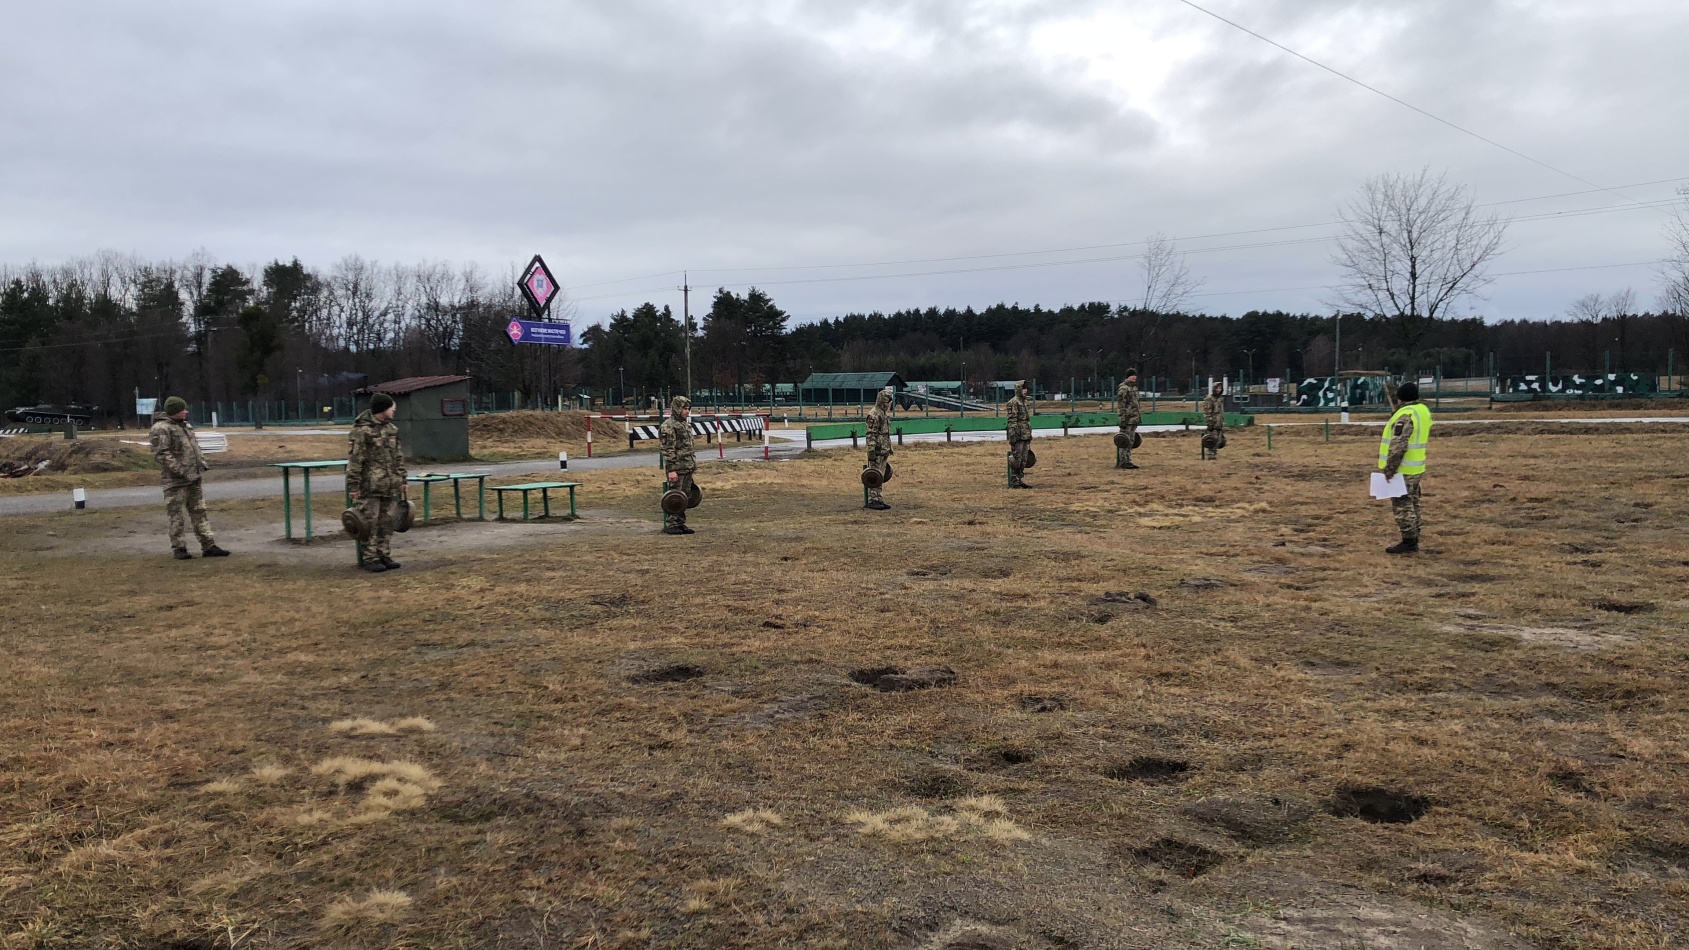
{"x": 1413, "y": 463}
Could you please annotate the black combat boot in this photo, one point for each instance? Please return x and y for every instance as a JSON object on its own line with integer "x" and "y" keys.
{"x": 674, "y": 529}
{"x": 879, "y": 505}
{"x": 181, "y": 554}
{"x": 1128, "y": 465}
{"x": 214, "y": 551}
{"x": 389, "y": 563}
{"x": 374, "y": 566}
{"x": 685, "y": 530}
{"x": 1407, "y": 546}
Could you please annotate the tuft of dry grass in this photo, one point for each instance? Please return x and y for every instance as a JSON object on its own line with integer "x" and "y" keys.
{"x": 269, "y": 774}
{"x": 414, "y": 724}
{"x": 221, "y": 787}
{"x": 361, "y": 727}
{"x": 348, "y": 770}
{"x": 753, "y": 820}
{"x": 380, "y": 906}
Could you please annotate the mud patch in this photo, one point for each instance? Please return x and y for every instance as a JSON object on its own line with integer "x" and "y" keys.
{"x": 1187, "y": 859}
{"x": 1041, "y": 704}
{"x": 939, "y": 782}
{"x": 1149, "y": 769}
{"x": 1380, "y": 806}
{"x": 1003, "y": 757}
{"x": 896, "y": 679}
{"x": 667, "y": 673}
{"x": 1569, "y": 638}
{"x": 783, "y": 710}
{"x": 1202, "y": 583}
{"x": 1269, "y": 570}
{"x": 1623, "y": 606}
{"x": 1130, "y": 601}
{"x": 1257, "y": 821}
{"x": 1344, "y": 920}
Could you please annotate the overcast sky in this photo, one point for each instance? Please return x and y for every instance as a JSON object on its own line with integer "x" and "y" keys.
{"x": 810, "y": 147}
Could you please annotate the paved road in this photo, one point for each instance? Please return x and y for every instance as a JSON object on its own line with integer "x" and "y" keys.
{"x": 326, "y": 483}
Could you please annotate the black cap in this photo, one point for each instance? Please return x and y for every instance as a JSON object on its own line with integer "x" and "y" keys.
{"x": 1408, "y": 392}
{"x": 380, "y": 402}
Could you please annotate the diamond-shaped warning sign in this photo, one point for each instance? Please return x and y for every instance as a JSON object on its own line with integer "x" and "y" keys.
{"x": 514, "y": 331}
{"x": 538, "y": 285}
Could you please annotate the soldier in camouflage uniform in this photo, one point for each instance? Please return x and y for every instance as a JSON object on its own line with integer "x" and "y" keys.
{"x": 679, "y": 462}
{"x": 1214, "y": 414}
{"x": 1126, "y": 401}
{"x": 180, "y": 467}
{"x": 1406, "y": 437}
{"x": 375, "y": 477}
{"x": 1018, "y": 419}
{"x": 879, "y": 444}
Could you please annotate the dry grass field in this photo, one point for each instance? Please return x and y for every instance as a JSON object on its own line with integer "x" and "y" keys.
{"x": 1193, "y": 706}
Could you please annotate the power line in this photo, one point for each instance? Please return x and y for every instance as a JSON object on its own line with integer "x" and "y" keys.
{"x": 1402, "y": 102}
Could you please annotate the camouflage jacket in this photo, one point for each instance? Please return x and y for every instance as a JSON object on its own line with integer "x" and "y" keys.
{"x": 1126, "y": 400}
{"x": 375, "y": 464}
{"x": 879, "y": 431}
{"x": 677, "y": 446}
{"x": 1214, "y": 411}
{"x": 177, "y": 451}
{"x": 1018, "y": 416}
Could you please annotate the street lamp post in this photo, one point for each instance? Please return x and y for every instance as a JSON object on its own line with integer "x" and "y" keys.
{"x": 622, "y": 391}
{"x": 1250, "y": 356}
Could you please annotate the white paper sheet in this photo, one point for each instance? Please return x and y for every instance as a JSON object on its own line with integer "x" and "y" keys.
{"x": 1382, "y": 487}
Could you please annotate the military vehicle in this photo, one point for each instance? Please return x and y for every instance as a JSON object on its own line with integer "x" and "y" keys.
{"x": 50, "y": 415}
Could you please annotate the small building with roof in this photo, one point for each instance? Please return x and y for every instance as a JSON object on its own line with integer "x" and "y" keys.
{"x": 846, "y": 388}
{"x": 432, "y": 415}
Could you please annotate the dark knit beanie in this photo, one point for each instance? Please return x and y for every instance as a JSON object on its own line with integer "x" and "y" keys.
{"x": 1131, "y": 371}
{"x": 174, "y": 405}
{"x": 1408, "y": 392}
{"x": 380, "y": 402}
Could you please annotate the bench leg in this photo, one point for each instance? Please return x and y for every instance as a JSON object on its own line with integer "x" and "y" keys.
{"x": 457, "y": 499}
{"x": 425, "y": 487}
{"x": 500, "y": 505}
{"x": 572, "y": 513}
{"x": 524, "y": 504}
{"x": 481, "y": 498}
{"x": 286, "y": 505}
{"x": 545, "y": 498}
{"x": 307, "y": 473}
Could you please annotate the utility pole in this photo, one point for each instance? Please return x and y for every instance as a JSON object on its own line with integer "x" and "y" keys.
{"x": 686, "y": 311}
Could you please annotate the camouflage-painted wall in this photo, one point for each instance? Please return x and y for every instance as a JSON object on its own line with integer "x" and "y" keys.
{"x": 1611, "y": 384}
{"x": 1329, "y": 392}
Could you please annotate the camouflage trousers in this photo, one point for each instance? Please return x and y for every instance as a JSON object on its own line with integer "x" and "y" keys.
{"x": 1123, "y": 456}
{"x": 378, "y": 513}
{"x": 877, "y": 460}
{"x": 186, "y": 505}
{"x": 1017, "y": 461}
{"x": 684, "y": 484}
{"x": 1406, "y": 508}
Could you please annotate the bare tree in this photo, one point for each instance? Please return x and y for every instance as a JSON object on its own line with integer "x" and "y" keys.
{"x": 1674, "y": 274}
{"x": 1168, "y": 284}
{"x": 1412, "y": 247}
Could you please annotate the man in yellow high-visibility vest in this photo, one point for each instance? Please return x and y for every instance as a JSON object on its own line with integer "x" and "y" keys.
{"x": 1402, "y": 451}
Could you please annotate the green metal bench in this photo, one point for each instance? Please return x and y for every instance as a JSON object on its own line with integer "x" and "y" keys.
{"x": 429, "y": 479}
{"x": 544, "y": 488}
{"x": 305, "y": 469}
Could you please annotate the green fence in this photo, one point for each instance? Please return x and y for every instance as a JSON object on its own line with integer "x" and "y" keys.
{"x": 1064, "y": 420}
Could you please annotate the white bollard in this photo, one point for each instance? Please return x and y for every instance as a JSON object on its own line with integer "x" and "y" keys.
{"x": 563, "y": 460}
{"x": 79, "y": 497}
{"x": 213, "y": 419}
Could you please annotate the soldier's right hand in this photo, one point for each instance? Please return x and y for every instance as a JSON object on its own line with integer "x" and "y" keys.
{"x": 352, "y": 495}
{"x": 674, "y": 476}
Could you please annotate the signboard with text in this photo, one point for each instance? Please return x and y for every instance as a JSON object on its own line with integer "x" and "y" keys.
{"x": 538, "y": 331}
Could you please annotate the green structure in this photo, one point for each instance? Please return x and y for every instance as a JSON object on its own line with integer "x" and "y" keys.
{"x": 432, "y": 416}
{"x": 823, "y": 389}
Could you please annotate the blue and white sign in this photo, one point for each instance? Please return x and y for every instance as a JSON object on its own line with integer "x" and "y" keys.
{"x": 536, "y": 331}
{"x": 146, "y": 407}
